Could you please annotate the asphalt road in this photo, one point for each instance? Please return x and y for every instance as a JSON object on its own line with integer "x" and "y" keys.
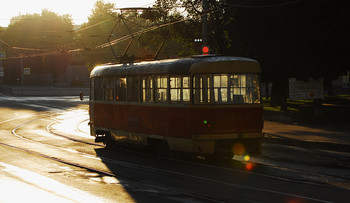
{"x": 38, "y": 162}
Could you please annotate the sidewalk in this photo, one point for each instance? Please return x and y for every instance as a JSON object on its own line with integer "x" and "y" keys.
{"x": 334, "y": 137}
{"x": 43, "y": 90}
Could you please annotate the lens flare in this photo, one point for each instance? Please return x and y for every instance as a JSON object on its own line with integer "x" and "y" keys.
{"x": 249, "y": 166}
{"x": 246, "y": 158}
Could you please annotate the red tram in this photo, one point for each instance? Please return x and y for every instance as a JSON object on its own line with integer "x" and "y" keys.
{"x": 206, "y": 105}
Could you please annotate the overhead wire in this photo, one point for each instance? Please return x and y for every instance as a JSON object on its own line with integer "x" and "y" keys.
{"x": 105, "y": 45}
{"x": 139, "y": 32}
{"x": 94, "y": 25}
{"x": 145, "y": 30}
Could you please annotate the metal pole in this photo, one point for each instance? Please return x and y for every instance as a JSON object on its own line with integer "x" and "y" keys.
{"x": 204, "y": 24}
{"x": 22, "y": 76}
{"x": 1, "y": 76}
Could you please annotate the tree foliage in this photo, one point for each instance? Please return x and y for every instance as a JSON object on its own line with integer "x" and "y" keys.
{"x": 289, "y": 38}
{"x": 42, "y": 39}
{"x": 176, "y": 32}
{"x": 96, "y": 32}
{"x": 46, "y": 31}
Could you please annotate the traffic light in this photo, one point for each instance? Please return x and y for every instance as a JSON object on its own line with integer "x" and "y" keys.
{"x": 205, "y": 50}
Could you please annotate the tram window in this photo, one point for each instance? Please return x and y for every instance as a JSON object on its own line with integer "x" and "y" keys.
{"x": 179, "y": 89}
{"x": 221, "y": 88}
{"x": 147, "y": 89}
{"x": 202, "y": 89}
{"x": 108, "y": 84}
{"x": 254, "y": 88}
{"x": 120, "y": 89}
{"x": 92, "y": 89}
{"x": 98, "y": 89}
{"x": 133, "y": 89}
{"x": 161, "y": 89}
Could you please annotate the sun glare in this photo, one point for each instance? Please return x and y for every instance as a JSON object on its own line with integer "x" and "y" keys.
{"x": 78, "y": 9}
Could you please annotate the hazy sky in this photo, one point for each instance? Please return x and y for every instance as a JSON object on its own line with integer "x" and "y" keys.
{"x": 78, "y": 9}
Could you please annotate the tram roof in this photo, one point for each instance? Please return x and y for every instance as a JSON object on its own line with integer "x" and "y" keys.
{"x": 196, "y": 64}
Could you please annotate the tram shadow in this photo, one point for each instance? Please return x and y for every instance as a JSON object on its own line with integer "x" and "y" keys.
{"x": 147, "y": 177}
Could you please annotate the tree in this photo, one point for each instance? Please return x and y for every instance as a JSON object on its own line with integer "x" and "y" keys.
{"x": 38, "y": 37}
{"x": 96, "y": 32}
{"x": 176, "y": 32}
{"x": 40, "y": 32}
{"x": 289, "y": 38}
{"x": 111, "y": 36}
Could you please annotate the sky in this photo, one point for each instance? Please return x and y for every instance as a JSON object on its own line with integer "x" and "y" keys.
{"x": 78, "y": 9}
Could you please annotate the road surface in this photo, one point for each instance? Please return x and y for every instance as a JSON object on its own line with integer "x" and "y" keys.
{"x": 46, "y": 154}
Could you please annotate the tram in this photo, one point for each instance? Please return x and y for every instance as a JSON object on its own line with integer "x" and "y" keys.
{"x": 203, "y": 105}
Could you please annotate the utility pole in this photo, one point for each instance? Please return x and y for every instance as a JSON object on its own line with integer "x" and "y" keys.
{"x": 2, "y": 55}
{"x": 204, "y": 24}
{"x": 22, "y": 76}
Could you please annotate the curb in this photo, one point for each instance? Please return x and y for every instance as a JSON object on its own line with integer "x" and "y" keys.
{"x": 44, "y": 91}
{"x": 276, "y": 139}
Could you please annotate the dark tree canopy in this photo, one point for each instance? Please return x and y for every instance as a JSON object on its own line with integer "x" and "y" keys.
{"x": 301, "y": 39}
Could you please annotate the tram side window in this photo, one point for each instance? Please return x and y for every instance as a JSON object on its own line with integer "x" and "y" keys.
{"x": 133, "y": 88}
{"x": 92, "y": 89}
{"x": 147, "y": 89}
{"x": 120, "y": 89}
{"x": 98, "y": 89}
{"x": 221, "y": 90}
{"x": 161, "y": 89}
{"x": 108, "y": 84}
{"x": 253, "y": 88}
{"x": 179, "y": 89}
{"x": 202, "y": 93}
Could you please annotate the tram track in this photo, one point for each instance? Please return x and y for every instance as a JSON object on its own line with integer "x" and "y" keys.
{"x": 106, "y": 173}
{"x": 294, "y": 170}
{"x": 209, "y": 165}
{"x": 133, "y": 151}
{"x": 92, "y": 169}
{"x": 113, "y": 161}
{"x": 172, "y": 159}
{"x": 85, "y": 155}
{"x": 70, "y": 138}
